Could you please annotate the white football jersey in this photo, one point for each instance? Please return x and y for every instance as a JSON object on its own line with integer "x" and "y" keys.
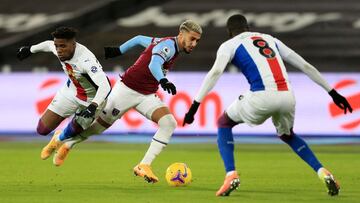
{"x": 258, "y": 56}
{"x": 84, "y": 71}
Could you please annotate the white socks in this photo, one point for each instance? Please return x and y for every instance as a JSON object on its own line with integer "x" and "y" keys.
{"x": 154, "y": 149}
{"x": 167, "y": 125}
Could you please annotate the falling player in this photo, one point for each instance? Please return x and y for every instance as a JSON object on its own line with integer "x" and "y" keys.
{"x": 83, "y": 95}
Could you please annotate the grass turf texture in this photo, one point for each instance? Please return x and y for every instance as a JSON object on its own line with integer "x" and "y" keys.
{"x": 102, "y": 172}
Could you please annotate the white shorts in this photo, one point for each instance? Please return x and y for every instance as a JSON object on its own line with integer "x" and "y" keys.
{"x": 254, "y": 108}
{"x": 123, "y": 98}
{"x": 66, "y": 106}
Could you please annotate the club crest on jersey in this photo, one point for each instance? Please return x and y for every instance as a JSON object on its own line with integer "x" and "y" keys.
{"x": 115, "y": 112}
{"x": 94, "y": 69}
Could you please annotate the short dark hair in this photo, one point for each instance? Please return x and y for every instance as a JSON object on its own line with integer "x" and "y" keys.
{"x": 64, "y": 33}
{"x": 237, "y": 22}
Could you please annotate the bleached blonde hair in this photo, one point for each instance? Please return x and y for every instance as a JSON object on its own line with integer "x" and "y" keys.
{"x": 190, "y": 25}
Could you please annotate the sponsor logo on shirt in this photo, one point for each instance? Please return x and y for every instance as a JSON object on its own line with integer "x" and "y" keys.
{"x": 165, "y": 52}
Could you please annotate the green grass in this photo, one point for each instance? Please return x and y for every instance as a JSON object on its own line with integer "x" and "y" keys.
{"x": 102, "y": 172}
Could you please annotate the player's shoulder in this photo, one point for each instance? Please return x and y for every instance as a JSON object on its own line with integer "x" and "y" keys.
{"x": 165, "y": 47}
{"x": 86, "y": 59}
{"x": 84, "y": 53}
{"x": 167, "y": 41}
{"x": 229, "y": 44}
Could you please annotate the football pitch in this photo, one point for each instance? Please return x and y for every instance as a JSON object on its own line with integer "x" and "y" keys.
{"x": 102, "y": 172}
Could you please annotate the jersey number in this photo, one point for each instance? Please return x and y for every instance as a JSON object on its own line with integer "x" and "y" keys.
{"x": 264, "y": 48}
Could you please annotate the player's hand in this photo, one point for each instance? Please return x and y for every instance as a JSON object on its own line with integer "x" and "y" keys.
{"x": 111, "y": 52}
{"x": 189, "y": 116}
{"x": 168, "y": 86}
{"x": 23, "y": 52}
{"x": 340, "y": 101}
{"x": 89, "y": 112}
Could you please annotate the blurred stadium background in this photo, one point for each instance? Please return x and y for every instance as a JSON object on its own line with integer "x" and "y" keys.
{"x": 324, "y": 32}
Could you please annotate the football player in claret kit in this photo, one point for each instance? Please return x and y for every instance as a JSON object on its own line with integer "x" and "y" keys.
{"x": 83, "y": 95}
{"x": 260, "y": 58}
{"x": 136, "y": 89}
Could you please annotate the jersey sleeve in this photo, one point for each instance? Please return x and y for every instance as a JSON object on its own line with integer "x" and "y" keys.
{"x": 298, "y": 62}
{"x": 165, "y": 49}
{"x": 93, "y": 68}
{"x": 139, "y": 40}
{"x": 284, "y": 50}
{"x": 161, "y": 53}
{"x": 223, "y": 57}
{"x": 46, "y": 46}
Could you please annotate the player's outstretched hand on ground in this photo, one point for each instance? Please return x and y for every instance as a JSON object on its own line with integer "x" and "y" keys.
{"x": 89, "y": 112}
{"x": 168, "y": 86}
{"x": 189, "y": 116}
{"x": 23, "y": 52}
{"x": 111, "y": 52}
{"x": 340, "y": 101}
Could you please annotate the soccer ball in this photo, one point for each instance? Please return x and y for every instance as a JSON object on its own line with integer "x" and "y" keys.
{"x": 178, "y": 174}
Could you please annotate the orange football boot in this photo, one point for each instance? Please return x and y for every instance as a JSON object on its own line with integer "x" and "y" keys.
{"x": 61, "y": 155}
{"x": 231, "y": 183}
{"x": 144, "y": 170}
{"x": 47, "y": 151}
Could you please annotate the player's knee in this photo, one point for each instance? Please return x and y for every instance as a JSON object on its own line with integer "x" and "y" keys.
{"x": 287, "y": 137}
{"x": 167, "y": 125}
{"x": 167, "y": 122}
{"x": 42, "y": 129}
{"x": 225, "y": 122}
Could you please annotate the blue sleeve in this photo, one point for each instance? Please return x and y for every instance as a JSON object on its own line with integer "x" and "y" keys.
{"x": 162, "y": 52}
{"x": 155, "y": 66}
{"x": 141, "y": 40}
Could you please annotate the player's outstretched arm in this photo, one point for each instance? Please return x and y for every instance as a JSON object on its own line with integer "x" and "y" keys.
{"x": 140, "y": 40}
{"x": 25, "y": 51}
{"x": 298, "y": 62}
{"x": 207, "y": 85}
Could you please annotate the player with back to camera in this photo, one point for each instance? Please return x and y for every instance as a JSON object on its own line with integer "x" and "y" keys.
{"x": 260, "y": 58}
{"x": 136, "y": 88}
{"x": 83, "y": 95}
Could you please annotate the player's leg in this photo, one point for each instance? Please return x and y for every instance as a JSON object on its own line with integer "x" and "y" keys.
{"x": 48, "y": 122}
{"x": 225, "y": 141}
{"x": 155, "y": 110}
{"x": 74, "y": 128}
{"x": 238, "y": 112}
{"x": 283, "y": 121}
{"x": 59, "y": 109}
{"x": 119, "y": 101}
{"x": 167, "y": 124}
{"x": 299, "y": 146}
{"x": 96, "y": 128}
{"x": 250, "y": 108}
{"x": 79, "y": 123}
